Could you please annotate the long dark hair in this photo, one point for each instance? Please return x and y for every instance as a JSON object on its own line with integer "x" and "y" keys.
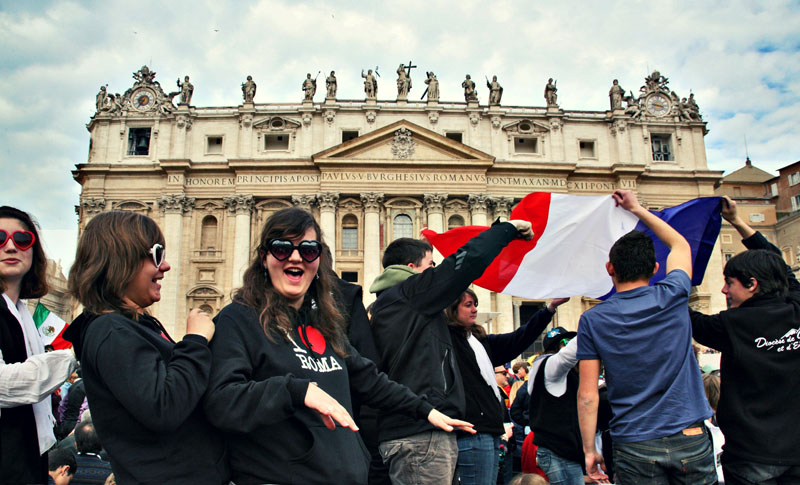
{"x": 109, "y": 255}
{"x": 258, "y": 292}
{"x": 451, "y": 313}
{"x": 34, "y": 283}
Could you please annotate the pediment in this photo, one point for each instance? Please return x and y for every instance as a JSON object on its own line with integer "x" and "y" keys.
{"x": 526, "y": 127}
{"x": 276, "y": 123}
{"x": 402, "y": 142}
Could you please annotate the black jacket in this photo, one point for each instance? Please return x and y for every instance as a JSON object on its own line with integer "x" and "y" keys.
{"x": 144, "y": 391}
{"x": 411, "y": 334}
{"x": 760, "y": 369}
{"x": 483, "y": 409}
{"x": 257, "y": 392}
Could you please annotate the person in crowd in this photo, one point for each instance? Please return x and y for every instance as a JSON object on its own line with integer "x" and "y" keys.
{"x": 711, "y": 385}
{"x": 520, "y": 369}
{"x": 477, "y": 353}
{"x": 28, "y": 375}
{"x": 760, "y": 345}
{"x": 643, "y": 336}
{"x": 61, "y": 467}
{"x": 144, "y": 388}
{"x": 415, "y": 347}
{"x": 283, "y": 369}
{"x": 72, "y": 405}
{"x": 92, "y": 469}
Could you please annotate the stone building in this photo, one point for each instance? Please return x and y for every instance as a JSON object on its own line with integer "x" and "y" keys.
{"x": 372, "y": 170}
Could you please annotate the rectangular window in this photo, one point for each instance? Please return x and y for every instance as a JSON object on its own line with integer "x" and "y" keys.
{"x": 794, "y": 178}
{"x": 728, "y": 257}
{"x": 349, "y": 238}
{"x": 214, "y": 145}
{"x": 276, "y": 142}
{"x": 774, "y": 189}
{"x": 348, "y": 135}
{"x": 661, "y": 148}
{"x": 455, "y": 136}
{"x": 726, "y": 239}
{"x": 350, "y": 276}
{"x": 757, "y": 217}
{"x": 795, "y": 203}
{"x": 138, "y": 141}
{"x": 525, "y": 145}
{"x": 586, "y": 148}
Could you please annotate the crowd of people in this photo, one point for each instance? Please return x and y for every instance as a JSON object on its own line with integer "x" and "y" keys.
{"x": 295, "y": 381}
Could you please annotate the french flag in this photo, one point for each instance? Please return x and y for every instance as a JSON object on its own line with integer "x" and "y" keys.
{"x": 572, "y": 237}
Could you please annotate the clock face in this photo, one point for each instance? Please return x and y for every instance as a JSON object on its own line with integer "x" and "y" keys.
{"x": 658, "y": 105}
{"x": 143, "y": 99}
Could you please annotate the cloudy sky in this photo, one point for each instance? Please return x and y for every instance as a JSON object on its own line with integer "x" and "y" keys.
{"x": 740, "y": 58}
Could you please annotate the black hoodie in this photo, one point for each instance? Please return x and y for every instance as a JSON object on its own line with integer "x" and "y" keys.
{"x": 143, "y": 391}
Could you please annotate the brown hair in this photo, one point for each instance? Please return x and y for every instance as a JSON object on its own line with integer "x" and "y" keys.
{"x": 451, "y": 313}
{"x": 110, "y": 254}
{"x": 711, "y": 384}
{"x": 257, "y": 291}
{"x": 34, "y": 283}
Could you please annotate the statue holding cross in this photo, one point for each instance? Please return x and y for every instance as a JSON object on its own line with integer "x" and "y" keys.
{"x": 404, "y": 80}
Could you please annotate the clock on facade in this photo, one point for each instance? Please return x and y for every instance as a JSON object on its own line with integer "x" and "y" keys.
{"x": 143, "y": 99}
{"x": 657, "y": 105}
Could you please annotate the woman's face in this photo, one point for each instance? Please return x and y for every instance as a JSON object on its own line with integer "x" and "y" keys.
{"x": 292, "y": 276}
{"x": 145, "y": 287}
{"x": 467, "y": 311}
{"x": 14, "y": 263}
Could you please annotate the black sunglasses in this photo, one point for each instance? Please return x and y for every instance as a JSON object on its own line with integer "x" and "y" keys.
{"x": 281, "y": 249}
{"x": 22, "y": 239}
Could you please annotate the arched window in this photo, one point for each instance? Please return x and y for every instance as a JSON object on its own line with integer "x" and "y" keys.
{"x": 454, "y": 221}
{"x": 403, "y": 226}
{"x": 208, "y": 233}
{"x": 349, "y": 232}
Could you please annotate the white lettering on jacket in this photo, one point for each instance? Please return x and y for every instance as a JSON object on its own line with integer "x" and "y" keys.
{"x": 789, "y": 341}
{"x": 323, "y": 364}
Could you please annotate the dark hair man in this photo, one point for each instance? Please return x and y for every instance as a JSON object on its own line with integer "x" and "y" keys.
{"x": 760, "y": 345}
{"x": 91, "y": 468}
{"x": 643, "y": 336}
{"x": 61, "y": 466}
{"x": 415, "y": 348}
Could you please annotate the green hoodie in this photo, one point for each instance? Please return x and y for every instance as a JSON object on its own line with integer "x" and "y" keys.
{"x": 392, "y": 275}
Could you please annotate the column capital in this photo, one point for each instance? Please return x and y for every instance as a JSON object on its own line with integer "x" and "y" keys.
{"x": 372, "y": 201}
{"x": 501, "y": 206}
{"x": 239, "y": 203}
{"x": 93, "y": 205}
{"x": 176, "y": 203}
{"x": 327, "y": 200}
{"x": 434, "y": 202}
{"x": 478, "y": 202}
{"x": 304, "y": 201}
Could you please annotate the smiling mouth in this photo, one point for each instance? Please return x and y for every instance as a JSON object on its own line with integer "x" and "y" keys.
{"x": 294, "y": 274}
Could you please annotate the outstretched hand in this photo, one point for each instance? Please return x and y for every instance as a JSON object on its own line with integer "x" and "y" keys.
{"x": 329, "y": 409}
{"x": 593, "y": 460}
{"x": 524, "y": 229}
{"x": 625, "y": 199}
{"x": 442, "y": 421}
{"x": 555, "y": 302}
{"x": 728, "y": 208}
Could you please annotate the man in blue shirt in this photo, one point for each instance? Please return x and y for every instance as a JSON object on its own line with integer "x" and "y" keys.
{"x": 643, "y": 336}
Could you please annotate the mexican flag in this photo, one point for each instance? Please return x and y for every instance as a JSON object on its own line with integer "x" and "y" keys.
{"x": 51, "y": 327}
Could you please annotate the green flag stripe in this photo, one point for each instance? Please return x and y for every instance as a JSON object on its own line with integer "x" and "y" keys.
{"x": 40, "y": 314}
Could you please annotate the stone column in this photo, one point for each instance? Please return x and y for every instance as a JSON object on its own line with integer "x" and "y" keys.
{"x": 89, "y": 208}
{"x": 501, "y": 208}
{"x": 434, "y": 204}
{"x": 327, "y": 220}
{"x": 172, "y": 308}
{"x": 372, "y": 202}
{"x": 478, "y": 206}
{"x": 240, "y": 205}
{"x": 304, "y": 201}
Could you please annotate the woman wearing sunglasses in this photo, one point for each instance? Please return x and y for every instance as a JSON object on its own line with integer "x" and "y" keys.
{"x": 144, "y": 388}
{"x": 28, "y": 375}
{"x": 477, "y": 353}
{"x": 284, "y": 371}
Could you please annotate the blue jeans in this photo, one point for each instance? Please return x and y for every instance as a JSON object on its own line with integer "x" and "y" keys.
{"x": 559, "y": 470}
{"x": 678, "y": 458}
{"x": 478, "y": 459}
{"x": 423, "y": 458}
{"x": 748, "y": 472}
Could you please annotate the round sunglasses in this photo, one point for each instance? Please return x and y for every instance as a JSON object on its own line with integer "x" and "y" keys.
{"x": 281, "y": 249}
{"x": 22, "y": 239}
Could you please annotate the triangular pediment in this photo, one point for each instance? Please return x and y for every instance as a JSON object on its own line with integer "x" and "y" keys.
{"x": 402, "y": 142}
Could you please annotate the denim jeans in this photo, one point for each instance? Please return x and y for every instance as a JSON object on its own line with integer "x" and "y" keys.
{"x": 478, "y": 459}
{"x": 423, "y": 458}
{"x": 741, "y": 472}
{"x": 559, "y": 470}
{"x": 677, "y": 458}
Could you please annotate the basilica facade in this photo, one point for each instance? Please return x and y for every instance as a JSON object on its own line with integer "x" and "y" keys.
{"x": 373, "y": 170}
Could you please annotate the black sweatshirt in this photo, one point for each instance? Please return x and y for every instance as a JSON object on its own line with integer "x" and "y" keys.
{"x": 144, "y": 393}
{"x": 760, "y": 370}
{"x": 257, "y": 393}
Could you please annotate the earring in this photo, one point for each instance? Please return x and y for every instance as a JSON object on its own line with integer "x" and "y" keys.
{"x": 266, "y": 275}
{"x": 316, "y": 276}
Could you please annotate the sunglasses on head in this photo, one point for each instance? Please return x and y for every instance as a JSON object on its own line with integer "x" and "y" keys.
{"x": 281, "y": 249}
{"x": 157, "y": 253}
{"x": 22, "y": 239}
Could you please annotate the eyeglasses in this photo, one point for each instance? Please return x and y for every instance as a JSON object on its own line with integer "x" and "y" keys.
{"x": 22, "y": 239}
{"x": 281, "y": 249}
{"x": 157, "y": 253}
